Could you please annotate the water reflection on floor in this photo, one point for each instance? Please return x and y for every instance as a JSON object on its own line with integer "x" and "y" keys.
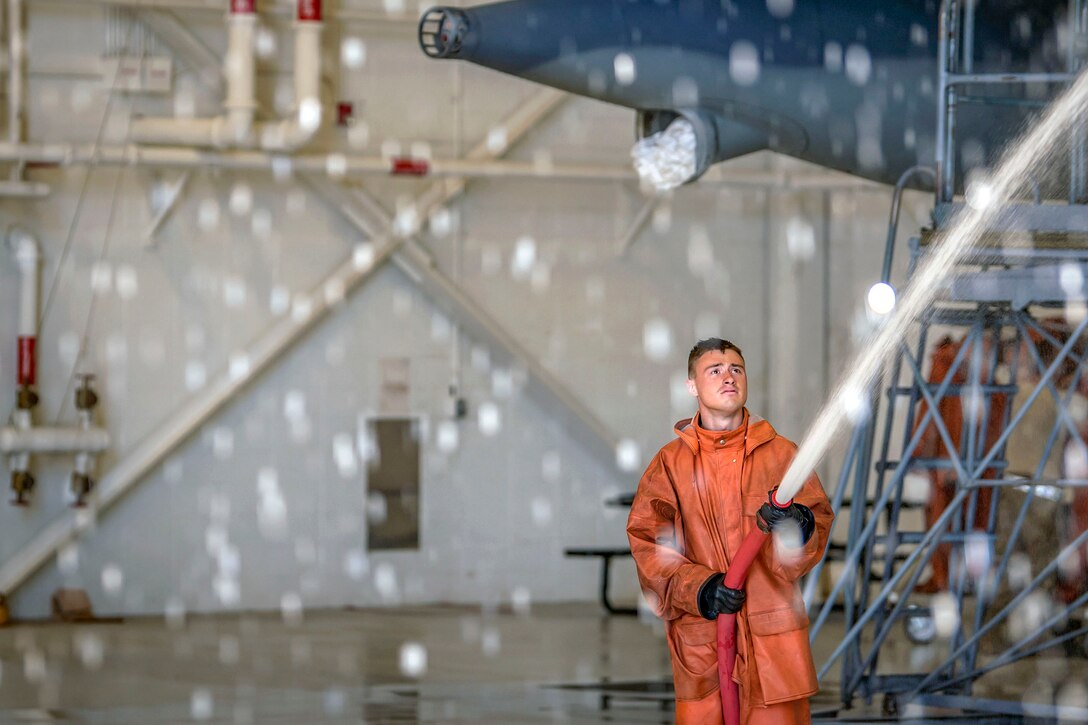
{"x": 559, "y": 663}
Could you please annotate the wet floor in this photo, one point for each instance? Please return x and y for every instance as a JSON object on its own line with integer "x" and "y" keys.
{"x": 557, "y": 663}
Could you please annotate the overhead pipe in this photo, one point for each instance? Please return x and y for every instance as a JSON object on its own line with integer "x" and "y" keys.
{"x": 28, "y": 258}
{"x": 297, "y": 129}
{"x": 237, "y": 127}
{"x": 350, "y": 165}
{"x": 49, "y": 439}
{"x": 16, "y": 71}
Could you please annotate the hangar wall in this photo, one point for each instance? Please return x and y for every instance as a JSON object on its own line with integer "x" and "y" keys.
{"x": 498, "y": 508}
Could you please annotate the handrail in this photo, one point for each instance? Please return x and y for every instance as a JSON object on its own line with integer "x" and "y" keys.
{"x": 893, "y": 222}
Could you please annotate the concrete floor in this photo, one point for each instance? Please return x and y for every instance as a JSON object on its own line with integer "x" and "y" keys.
{"x": 433, "y": 664}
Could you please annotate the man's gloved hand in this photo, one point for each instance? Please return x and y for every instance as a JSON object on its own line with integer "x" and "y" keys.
{"x": 715, "y": 598}
{"x": 770, "y": 517}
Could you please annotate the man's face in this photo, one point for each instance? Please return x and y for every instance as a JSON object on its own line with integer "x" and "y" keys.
{"x": 720, "y": 383}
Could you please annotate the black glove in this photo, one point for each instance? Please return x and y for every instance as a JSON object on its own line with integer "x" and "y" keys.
{"x": 770, "y": 517}
{"x": 715, "y": 598}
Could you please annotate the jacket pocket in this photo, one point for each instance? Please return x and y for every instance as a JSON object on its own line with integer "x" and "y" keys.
{"x": 693, "y": 644}
{"x": 782, "y": 653}
{"x": 752, "y": 503}
{"x": 777, "y": 621}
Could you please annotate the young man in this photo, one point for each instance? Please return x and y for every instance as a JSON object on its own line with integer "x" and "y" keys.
{"x": 698, "y": 499}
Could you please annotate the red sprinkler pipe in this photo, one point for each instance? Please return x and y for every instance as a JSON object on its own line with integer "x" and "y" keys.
{"x": 727, "y": 623}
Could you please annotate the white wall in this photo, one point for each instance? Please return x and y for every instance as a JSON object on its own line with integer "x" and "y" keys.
{"x": 496, "y": 512}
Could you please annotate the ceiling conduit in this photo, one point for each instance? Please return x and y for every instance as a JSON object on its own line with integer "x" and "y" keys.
{"x": 237, "y": 127}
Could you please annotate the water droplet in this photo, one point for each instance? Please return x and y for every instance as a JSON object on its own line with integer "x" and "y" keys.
{"x": 489, "y": 419}
{"x": 628, "y": 457}
{"x": 302, "y": 306}
{"x": 238, "y": 367}
{"x": 291, "y": 608}
{"x": 207, "y": 215}
{"x": 551, "y": 466}
{"x": 447, "y": 436}
{"x": 491, "y": 641}
{"x": 353, "y": 53}
{"x": 859, "y": 64}
{"x": 413, "y": 659}
{"x": 127, "y": 282}
{"x": 359, "y": 134}
{"x": 946, "y": 614}
{"x": 385, "y": 581}
{"x": 524, "y": 258}
{"x": 541, "y": 511}
{"x": 780, "y": 8}
{"x": 112, "y": 579}
{"x": 174, "y": 612}
{"x": 279, "y": 300}
{"x": 800, "y": 239}
{"x": 241, "y": 199}
{"x": 657, "y": 339}
{"x": 624, "y": 67}
{"x": 833, "y": 57}
{"x": 406, "y": 222}
{"x": 521, "y": 600}
{"x": 101, "y": 277}
{"x": 343, "y": 453}
{"x": 919, "y": 35}
{"x": 362, "y": 256}
{"x": 685, "y": 92}
{"x": 496, "y": 140}
{"x": 336, "y": 165}
{"x": 201, "y": 705}
{"x": 377, "y": 507}
{"x": 1071, "y": 277}
{"x": 92, "y": 651}
{"x": 222, "y": 443}
{"x": 441, "y": 222}
{"x": 68, "y": 559}
{"x": 356, "y": 564}
{"x": 700, "y": 252}
{"x": 334, "y": 701}
{"x": 744, "y": 64}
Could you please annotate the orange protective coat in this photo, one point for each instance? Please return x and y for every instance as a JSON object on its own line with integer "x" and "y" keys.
{"x": 685, "y": 526}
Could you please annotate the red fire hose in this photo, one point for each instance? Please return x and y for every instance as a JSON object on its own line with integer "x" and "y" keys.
{"x": 727, "y": 623}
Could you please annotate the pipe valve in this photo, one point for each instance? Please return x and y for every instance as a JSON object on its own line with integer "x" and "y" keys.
{"x": 86, "y": 398}
{"x": 22, "y": 483}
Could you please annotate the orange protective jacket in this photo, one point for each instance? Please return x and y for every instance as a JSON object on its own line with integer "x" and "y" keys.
{"x": 682, "y": 532}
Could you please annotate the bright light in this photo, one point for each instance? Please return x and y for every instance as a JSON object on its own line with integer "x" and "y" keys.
{"x": 980, "y": 192}
{"x": 881, "y": 298}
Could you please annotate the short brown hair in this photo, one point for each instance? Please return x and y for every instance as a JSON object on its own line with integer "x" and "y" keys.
{"x": 711, "y": 344}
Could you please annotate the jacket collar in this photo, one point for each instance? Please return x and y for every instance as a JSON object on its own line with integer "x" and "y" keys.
{"x": 759, "y": 432}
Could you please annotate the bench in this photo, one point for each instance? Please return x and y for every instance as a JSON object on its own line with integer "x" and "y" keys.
{"x": 606, "y": 556}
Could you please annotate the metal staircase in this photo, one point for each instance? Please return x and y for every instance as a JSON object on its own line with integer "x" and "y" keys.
{"x": 1025, "y": 270}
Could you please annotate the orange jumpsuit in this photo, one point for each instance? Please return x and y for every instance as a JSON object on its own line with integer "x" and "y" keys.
{"x": 695, "y": 504}
{"x": 943, "y": 481}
